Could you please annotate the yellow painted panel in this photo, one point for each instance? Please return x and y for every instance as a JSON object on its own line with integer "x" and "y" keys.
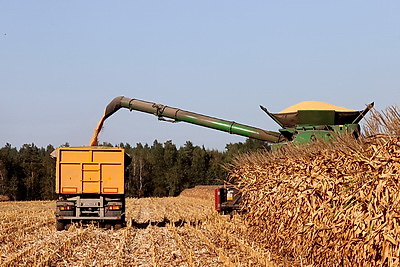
{"x": 71, "y": 175}
{"x": 91, "y": 178}
{"x": 75, "y": 156}
{"x": 108, "y": 156}
{"x": 112, "y": 176}
{"x": 91, "y": 167}
{"x": 91, "y": 187}
{"x": 69, "y": 190}
{"x": 111, "y": 190}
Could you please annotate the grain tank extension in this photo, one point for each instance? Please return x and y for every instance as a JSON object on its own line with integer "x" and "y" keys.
{"x": 90, "y": 186}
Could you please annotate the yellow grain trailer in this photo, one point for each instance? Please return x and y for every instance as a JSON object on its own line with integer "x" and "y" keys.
{"x": 90, "y": 186}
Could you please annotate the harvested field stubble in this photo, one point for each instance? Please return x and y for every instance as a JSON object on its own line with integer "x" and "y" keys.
{"x": 173, "y": 231}
{"x": 328, "y": 204}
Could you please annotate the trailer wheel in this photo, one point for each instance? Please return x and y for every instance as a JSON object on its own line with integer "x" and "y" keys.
{"x": 117, "y": 226}
{"x": 108, "y": 226}
{"x": 60, "y": 225}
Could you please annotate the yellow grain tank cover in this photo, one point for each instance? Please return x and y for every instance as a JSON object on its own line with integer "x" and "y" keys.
{"x": 90, "y": 170}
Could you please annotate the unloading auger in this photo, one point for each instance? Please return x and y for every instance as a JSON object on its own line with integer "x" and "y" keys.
{"x": 166, "y": 113}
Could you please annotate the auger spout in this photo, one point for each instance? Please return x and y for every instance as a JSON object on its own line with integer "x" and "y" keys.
{"x": 113, "y": 106}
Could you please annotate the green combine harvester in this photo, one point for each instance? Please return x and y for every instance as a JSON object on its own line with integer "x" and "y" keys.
{"x": 300, "y": 124}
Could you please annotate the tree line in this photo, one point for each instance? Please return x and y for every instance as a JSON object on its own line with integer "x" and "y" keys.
{"x": 159, "y": 169}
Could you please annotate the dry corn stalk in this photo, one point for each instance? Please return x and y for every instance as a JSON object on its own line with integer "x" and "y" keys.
{"x": 328, "y": 204}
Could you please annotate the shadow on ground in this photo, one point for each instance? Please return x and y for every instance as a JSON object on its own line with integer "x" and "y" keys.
{"x": 163, "y": 223}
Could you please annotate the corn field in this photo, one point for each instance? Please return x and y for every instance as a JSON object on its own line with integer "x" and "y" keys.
{"x": 328, "y": 204}
{"x": 174, "y": 231}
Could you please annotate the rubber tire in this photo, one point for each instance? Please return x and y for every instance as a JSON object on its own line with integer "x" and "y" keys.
{"x": 108, "y": 226}
{"x": 60, "y": 225}
{"x": 117, "y": 226}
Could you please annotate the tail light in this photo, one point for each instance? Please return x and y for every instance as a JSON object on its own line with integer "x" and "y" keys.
{"x": 66, "y": 207}
{"x": 114, "y": 207}
{"x": 229, "y": 194}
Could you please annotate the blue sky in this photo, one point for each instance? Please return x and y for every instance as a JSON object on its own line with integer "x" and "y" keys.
{"x": 61, "y": 62}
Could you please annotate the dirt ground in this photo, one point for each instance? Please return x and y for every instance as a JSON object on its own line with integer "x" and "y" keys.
{"x": 174, "y": 231}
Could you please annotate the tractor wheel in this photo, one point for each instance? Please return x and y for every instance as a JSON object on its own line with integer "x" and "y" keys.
{"x": 60, "y": 225}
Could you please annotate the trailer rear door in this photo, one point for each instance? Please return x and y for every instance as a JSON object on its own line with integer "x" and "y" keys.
{"x": 90, "y": 170}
